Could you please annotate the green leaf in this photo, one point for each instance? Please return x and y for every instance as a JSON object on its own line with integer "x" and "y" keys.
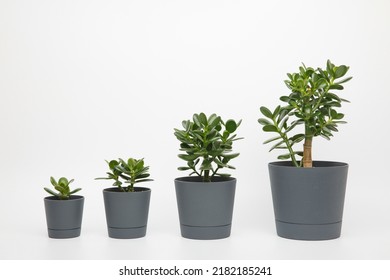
{"x": 329, "y": 67}
{"x": 219, "y": 163}
{"x": 231, "y": 126}
{"x": 272, "y": 139}
{"x": 213, "y": 120}
{"x": 336, "y": 86}
{"x": 344, "y": 80}
{"x": 263, "y": 121}
{"x": 183, "y": 168}
{"x": 266, "y": 112}
{"x": 53, "y": 181}
{"x": 63, "y": 182}
{"x": 203, "y": 119}
{"x": 333, "y": 114}
{"x": 188, "y": 157}
{"x": 282, "y": 123}
{"x": 50, "y": 191}
{"x": 340, "y": 71}
{"x": 131, "y": 163}
{"x": 276, "y": 112}
{"x": 144, "y": 180}
{"x": 112, "y": 164}
{"x": 285, "y": 99}
{"x": 345, "y": 100}
{"x": 231, "y": 156}
{"x": 60, "y": 189}
{"x": 285, "y": 156}
{"x": 270, "y": 128}
{"x": 75, "y": 191}
{"x": 139, "y": 164}
{"x": 297, "y": 138}
{"x": 195, "y": 117}
{"x": 332, "y": 127}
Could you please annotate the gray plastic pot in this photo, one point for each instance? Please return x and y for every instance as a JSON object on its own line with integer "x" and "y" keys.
{"x": 205, "y": 209}
{"x": 308, "y": 202}
{"x": 64, "y": 217}
{"x": 126, "y": 212}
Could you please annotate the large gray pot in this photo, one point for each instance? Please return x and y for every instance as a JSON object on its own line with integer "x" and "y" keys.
{"x": 126, "y": 212}
{"x": 308, "y": 202}
{"x": 205, "y": 209}
{"x": 64, "y": 217}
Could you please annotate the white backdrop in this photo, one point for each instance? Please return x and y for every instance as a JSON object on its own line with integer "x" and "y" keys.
{"x": 84, "y": 81}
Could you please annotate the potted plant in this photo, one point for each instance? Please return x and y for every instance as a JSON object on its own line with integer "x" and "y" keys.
{"x": 127, "y": 206}
{"x": 64, "y": 210}
{"x": 205, "y": 201}
{"x": 308, "y": 196}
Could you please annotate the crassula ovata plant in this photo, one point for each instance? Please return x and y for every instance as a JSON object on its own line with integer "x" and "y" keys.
{"x": 62, "y": 186}
{"x": 126, "y": 174}
{"x": 312, "y": 103}
{"x": 206, "y": 143}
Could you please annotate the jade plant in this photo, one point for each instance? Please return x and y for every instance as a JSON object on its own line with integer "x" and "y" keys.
{"x": 313, "y": 104}
{"x": 126, "y": 174}
{"x": 206, "y": 143}
{"x": 62, "y": 186}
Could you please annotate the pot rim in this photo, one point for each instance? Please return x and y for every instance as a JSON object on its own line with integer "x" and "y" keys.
{"x": 320, "y": 164}
{"x": 72, "y": 198}
{"x": 197, "y": 179}
{"x": 137, "y": 190}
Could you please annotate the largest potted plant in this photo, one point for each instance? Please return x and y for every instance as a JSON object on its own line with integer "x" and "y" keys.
{"x": 205, "y": 199}
{"x": 308, "y": 196}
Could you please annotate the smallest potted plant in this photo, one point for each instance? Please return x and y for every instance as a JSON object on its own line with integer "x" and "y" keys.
{"x": 64, "y": 210}
{"x": 127, "y": 206}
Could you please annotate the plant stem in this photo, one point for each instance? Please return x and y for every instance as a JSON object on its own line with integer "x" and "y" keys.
{"x": 206, "y": 177}
{"x": 307, "y": 158}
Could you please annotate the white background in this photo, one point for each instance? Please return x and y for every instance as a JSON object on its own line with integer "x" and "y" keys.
{"x": 84, "y": 81}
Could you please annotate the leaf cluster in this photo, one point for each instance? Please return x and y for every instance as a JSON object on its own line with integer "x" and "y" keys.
{"x": 312, "y": 103}
{"x": 62, "y": 186}
{"x": 206, "y": 143}
{"x": 126, "y": 174}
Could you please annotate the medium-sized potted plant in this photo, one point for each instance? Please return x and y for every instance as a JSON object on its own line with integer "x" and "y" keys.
{"x": 64, "y": 210}
{"x": 308, "y": 196}
{"x": 205, "y": 199}
{"x": 127, "y": 206}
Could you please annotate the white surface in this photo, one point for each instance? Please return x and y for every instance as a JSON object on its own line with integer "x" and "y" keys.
{"x": 85, "y": 81}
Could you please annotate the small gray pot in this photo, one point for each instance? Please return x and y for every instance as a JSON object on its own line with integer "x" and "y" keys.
{"x": 126, "y": 212}
{"x": 64, "y": 217}
{"x": 205, "y": 209}
{"x": 308, "y": 202}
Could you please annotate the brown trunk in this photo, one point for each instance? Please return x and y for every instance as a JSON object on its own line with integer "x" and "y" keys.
{"x": 307, "y": 160}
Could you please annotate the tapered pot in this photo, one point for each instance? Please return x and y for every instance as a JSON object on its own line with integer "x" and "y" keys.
{"x": 205, "y": 209}
{"x": 126, "y": 212}
{"x": 64, "y": 217}
{"x": 308, "y": 202}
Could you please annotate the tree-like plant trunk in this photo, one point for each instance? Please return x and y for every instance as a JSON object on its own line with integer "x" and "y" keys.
{"x": 307, "y": 159}
{"x": 206, "y": 176}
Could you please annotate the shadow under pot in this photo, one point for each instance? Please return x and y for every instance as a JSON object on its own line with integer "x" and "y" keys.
{"x": 126, "y": 212}
{"x": 64, "y": 217}
{"x": 205, "y": 208}
{"x": 308, "y": 202}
